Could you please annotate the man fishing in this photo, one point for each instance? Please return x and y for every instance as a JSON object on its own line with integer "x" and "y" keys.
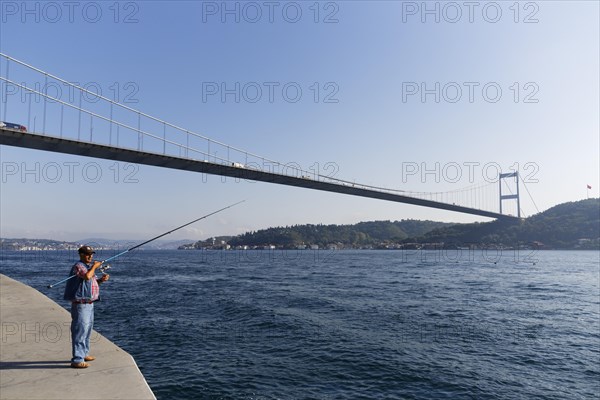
{"x": 82, "y": 291}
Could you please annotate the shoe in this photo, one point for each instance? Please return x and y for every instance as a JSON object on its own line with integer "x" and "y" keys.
{"x": 80, "y": 365}
{"x": 89, "y": 358}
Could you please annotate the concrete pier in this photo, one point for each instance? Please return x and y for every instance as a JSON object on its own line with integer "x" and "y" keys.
{"x": 35, "y": 353}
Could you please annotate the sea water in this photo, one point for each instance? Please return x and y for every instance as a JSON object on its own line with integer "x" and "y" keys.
{"x": 326, "y": 324}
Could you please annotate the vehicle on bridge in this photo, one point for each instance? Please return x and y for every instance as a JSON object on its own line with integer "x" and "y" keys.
{"x": 10, "y": 125}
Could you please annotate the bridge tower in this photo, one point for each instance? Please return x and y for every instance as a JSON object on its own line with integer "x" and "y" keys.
{"x": 510, "y": 196}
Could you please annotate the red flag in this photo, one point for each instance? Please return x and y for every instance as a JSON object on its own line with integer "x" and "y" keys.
{"x": 589, "y": 187}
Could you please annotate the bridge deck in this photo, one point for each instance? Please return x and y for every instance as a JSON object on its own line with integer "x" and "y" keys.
{"x": 48, "y": 143}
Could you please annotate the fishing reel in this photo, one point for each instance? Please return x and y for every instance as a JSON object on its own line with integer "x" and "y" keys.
{"x": 104, "y": 268}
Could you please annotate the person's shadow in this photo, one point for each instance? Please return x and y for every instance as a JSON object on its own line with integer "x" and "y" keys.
{"x": 34, "y": 364}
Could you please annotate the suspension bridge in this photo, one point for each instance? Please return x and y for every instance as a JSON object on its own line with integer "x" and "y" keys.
{"x": 104, "y": 128}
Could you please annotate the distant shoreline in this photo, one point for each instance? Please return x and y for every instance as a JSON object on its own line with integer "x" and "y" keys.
{"x": 322, "y": 249}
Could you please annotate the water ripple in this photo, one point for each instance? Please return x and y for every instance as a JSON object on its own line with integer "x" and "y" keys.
{"x": 353, "y": 325}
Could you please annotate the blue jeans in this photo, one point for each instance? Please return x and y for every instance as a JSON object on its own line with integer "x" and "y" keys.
{"x": 82, "y": 323}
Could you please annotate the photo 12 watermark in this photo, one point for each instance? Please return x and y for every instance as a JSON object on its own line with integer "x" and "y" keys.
{"x": 271, "y": 12}
{"x": 470, "y": 253}
{"x": 53, "y": 12}
{"x": 71, "y": 92}
{"x": 465, "y": 171}
{"x": 452, "y": 332}
{"x": 316, "y": 171}
{"x": 68, "y": 172}
{"x": 471, "y": 12}
{"x": 12, "y": 332}
{"x": 268, "y": 255}
{"x": 270, "y": 92}
{"x": 470, "y": 92}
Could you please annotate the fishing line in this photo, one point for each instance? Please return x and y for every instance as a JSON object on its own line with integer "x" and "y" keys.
{"x": 148, "y": 241}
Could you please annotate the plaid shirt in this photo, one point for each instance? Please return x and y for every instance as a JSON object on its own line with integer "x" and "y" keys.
{"x": 80, "y": 271}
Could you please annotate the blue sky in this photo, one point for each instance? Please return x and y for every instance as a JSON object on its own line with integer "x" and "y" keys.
{"x": 161, "y": 58}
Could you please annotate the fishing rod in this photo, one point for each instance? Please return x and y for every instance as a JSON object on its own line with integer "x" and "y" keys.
{"x": 150, "y": 240}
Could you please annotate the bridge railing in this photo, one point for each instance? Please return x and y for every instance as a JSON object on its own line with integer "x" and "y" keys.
{"x": 52, "y": 106}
